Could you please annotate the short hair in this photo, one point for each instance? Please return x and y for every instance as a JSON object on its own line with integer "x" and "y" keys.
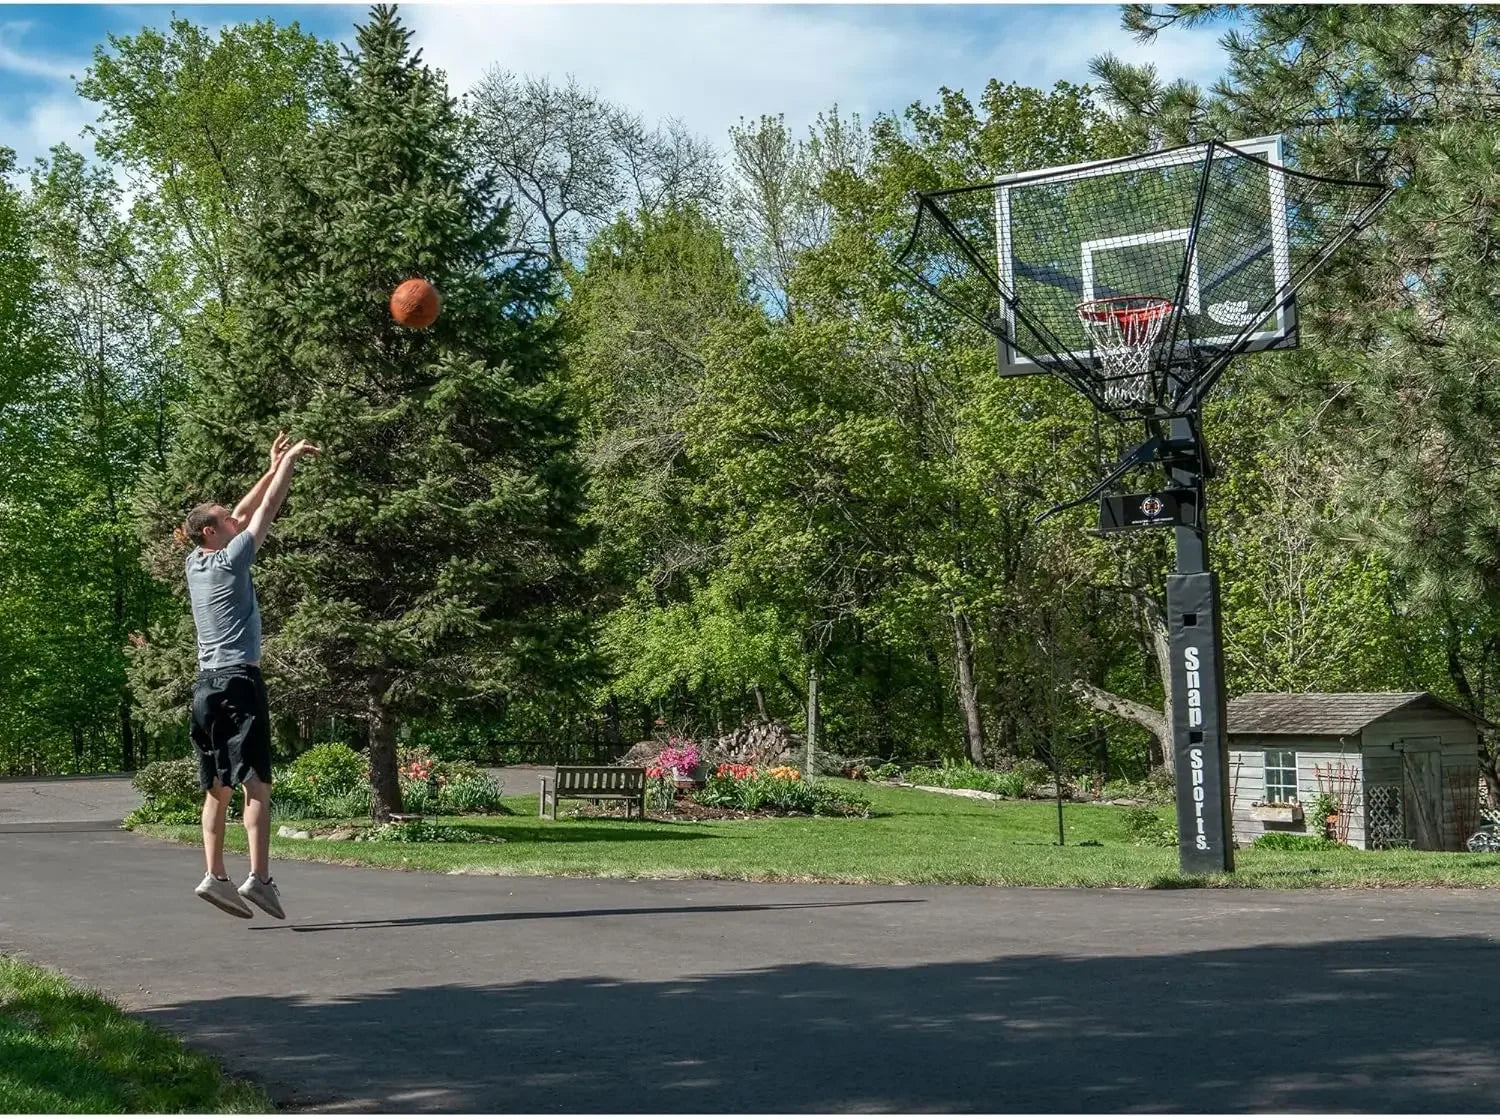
{"x": 191, "y": 530}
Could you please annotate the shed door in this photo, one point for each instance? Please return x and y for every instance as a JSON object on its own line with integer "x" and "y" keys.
{"x": 1422, "y": 780}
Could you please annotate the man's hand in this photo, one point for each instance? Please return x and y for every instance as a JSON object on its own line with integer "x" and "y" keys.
{"x": 260, "y": 522}
{"x": 248, "y": 504}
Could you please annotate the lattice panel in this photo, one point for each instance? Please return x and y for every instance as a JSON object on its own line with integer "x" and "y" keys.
{"x": 1385, "y": 825}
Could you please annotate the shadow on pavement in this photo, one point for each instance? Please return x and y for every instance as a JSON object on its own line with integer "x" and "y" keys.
{"x": 638, "y": 911}
{"x": 1388, "y": 1025}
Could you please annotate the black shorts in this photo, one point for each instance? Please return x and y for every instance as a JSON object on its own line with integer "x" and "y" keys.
{"x": 231, "y": 726}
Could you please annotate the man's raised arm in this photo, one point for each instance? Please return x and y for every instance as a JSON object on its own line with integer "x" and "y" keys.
{"x": 260, "y": 520}
{"x": 251, "y": 501}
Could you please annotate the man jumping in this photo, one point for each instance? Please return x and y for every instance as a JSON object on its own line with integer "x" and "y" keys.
{"x": 231, "y": 720}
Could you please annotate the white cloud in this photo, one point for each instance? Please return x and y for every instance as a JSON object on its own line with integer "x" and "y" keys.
{"x": 1076, "y": 36}
{"x": 709, "y": 65}
{"x": 17, "y": 60}
{"x": 48, "y": 120}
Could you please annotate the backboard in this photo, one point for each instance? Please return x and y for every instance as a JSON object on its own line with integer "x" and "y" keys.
{"x": 1137, "y": 280}
{"x": 1209, "y": 233}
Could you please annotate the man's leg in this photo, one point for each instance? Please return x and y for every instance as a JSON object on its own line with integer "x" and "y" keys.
{"x": 258, "y": 827}
{"x": 216, "y": 889}
{"x": 215, "y": 806}
{"x": 253, "y": 748}
{"x": 258, "y": 887}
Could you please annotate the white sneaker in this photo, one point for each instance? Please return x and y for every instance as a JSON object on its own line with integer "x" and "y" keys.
{"x": 263, "y": 894}
{"x": 220, "y": 892}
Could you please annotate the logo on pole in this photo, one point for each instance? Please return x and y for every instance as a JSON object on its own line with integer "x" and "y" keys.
{"x": 1193, "y": 682}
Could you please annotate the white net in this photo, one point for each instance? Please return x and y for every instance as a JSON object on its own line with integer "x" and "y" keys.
{"x": 1123, "y": 333}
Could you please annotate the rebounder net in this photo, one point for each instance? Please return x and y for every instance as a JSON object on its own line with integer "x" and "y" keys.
{"x": 1136, "y": 280}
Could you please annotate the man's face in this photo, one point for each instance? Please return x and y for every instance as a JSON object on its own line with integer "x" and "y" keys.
{"x": 224, "y": 529}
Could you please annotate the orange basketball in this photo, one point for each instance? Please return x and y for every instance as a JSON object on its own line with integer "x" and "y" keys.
{"x": 415, "y": 304}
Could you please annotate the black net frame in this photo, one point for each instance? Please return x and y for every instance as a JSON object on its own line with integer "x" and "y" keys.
{"x": 1225, "y": 235}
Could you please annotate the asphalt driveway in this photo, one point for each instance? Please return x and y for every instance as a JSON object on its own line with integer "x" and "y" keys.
{"x": 401, "y": 991}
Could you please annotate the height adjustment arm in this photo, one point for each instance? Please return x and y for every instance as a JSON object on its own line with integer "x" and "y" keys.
{"x": 1156, "y": 449}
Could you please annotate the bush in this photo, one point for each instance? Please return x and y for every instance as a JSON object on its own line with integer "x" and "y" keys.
{"x": 349, "y": 805}
{"x": 1019, "y": 781}
{"x": 780, "y": 790}
{"x": 680, "y": 754}
{"x": 420, "y": 831}
{"x": 1155, "y": 789}
{"x": 886, "y": 771}
{"x": 661, "y": 790}
{"x": 331, "y": 781}
{"x": 331, "y": 768}
{"x": 170, "y": 784}
{"x": 170, "y": 794}
{"x": 1292, "y": 841}
{"x": 152, "y": 813}
{"x": 1323, "y": 806}
{"x": 829, "y": 800}
{"x": 418, "y": 797}
{"x": 1031, "y": 771}
{"x": 460, "y": 770}
{"x": 287, "y": 805}
{"x": 478, "y": 792}
{"x": 1146, "y": 828}
{"x": 784, "y": 794}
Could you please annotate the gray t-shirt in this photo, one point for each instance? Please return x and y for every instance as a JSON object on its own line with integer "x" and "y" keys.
{"x": 224, "y": 606}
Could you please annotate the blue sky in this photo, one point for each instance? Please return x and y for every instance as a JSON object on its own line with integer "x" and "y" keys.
{"x": 707, "y": 65}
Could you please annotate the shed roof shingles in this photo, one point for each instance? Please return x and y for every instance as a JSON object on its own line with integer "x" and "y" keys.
{"x": 1338, "y": 713}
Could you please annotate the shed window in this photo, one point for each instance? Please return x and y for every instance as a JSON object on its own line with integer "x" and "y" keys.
{"x": 1281, "y": 776}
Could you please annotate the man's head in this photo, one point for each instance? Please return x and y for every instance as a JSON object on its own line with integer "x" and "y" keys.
{"x": 208, "y": 526}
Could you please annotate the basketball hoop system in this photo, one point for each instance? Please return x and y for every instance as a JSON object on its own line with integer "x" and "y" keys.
{"x": 1137, "y": 281}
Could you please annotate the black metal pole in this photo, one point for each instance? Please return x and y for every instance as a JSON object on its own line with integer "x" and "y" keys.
{"x": 1205, "y": 843}
{"x": 1058, "y": 789}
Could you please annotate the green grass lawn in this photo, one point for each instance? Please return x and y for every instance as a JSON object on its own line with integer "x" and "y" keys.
{"x": 63, "y": 1049}
{"x": 913, "y": 837}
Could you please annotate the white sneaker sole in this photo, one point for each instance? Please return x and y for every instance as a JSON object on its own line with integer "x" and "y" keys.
{"x": 225, "y": 905}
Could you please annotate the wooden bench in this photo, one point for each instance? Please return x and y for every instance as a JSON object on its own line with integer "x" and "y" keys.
{"x": 595, "y": 782}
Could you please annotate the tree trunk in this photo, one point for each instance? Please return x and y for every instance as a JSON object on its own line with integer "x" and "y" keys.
{"x": 968, "y": 697}
{"x": 1153, "y": 720}
{"x": 127, "y": 737}
{"x": 1460, "y": 679}
{"x": 1488, "y": 769}
{"x": 613, "y": 734}
{"x": 1156, "y": 621}
{"x": 760, "y": 703}
{"x": 385, "y": 782}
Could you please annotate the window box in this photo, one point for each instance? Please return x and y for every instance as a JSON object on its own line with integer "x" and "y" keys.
{"x": 1276, "y": 813}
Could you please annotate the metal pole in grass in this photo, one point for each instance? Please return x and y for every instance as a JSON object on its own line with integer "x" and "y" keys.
{"x": 1057, "y": 788}
{"x": 812, "y": 719}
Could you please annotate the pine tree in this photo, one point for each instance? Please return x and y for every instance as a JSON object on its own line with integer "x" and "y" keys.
{"x": 429, "y": 556}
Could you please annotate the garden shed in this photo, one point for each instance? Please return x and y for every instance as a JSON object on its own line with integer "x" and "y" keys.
{"x": 1401, "y": 768}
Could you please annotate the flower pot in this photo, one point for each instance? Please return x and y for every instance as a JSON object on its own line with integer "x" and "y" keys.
{"x": 1276, "y": 813}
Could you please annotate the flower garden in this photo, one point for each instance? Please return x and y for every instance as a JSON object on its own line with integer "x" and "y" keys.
{"x": 680, "y": 785}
